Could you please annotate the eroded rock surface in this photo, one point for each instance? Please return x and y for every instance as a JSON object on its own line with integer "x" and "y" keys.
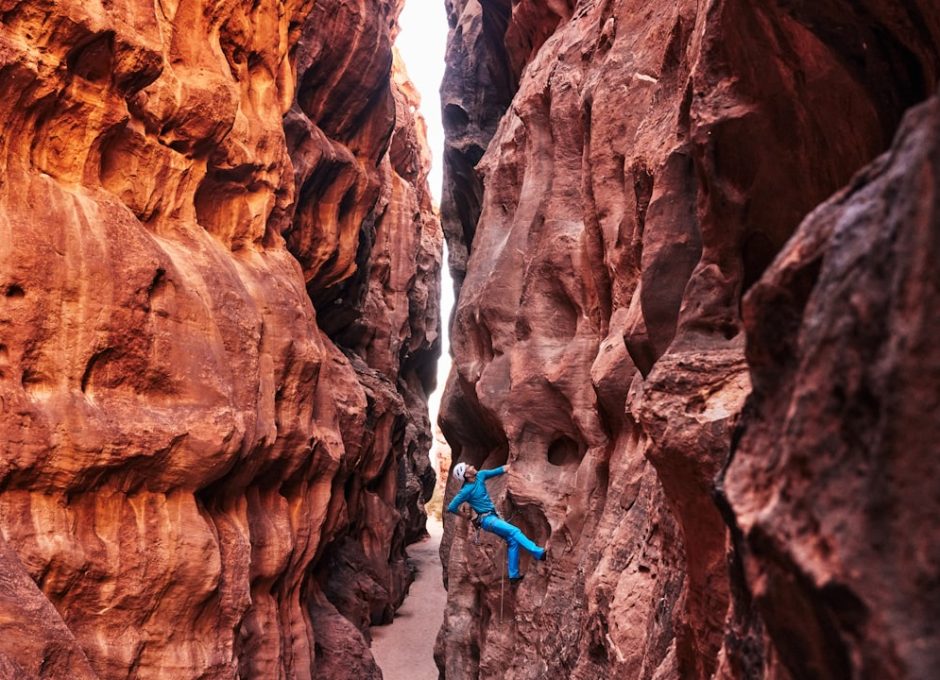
{"x": 841, "y": 552}
{"x": 218, "y": 324}
{"x": 622, "y": 173}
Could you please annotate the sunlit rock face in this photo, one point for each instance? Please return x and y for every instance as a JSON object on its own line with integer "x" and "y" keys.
{"x": 618, "y": 176}
{"x": 218, "y": 326}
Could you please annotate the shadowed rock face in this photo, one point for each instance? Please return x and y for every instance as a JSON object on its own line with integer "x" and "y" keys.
{"x": 840, "y": 549}
{"x": 622, "y": 173}
{"x": 218, "y": 324}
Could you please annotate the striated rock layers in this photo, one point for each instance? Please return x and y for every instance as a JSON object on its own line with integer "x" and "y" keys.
{"x": 218, "y": 326}
{"x": 619, "y": 174}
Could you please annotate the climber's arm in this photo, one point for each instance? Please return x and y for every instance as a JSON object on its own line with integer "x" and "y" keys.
{"x": 458, "y": 499}
{"x": 495, "y": 472}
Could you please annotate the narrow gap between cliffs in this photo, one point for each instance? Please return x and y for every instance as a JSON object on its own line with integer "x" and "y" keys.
{"x": 404, "y": 649}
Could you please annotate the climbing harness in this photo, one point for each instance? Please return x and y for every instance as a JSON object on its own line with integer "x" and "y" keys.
{"x": 477, "y": 517}
{"x": 476, "y": 521}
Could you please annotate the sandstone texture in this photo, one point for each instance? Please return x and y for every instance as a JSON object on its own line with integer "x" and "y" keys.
{"x": 618, "y": 175}
{"x": 218, "y": 327}
{"x": 841, "y": 550}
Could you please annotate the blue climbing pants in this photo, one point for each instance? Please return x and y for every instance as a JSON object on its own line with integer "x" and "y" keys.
{"x": 514, "y": 539}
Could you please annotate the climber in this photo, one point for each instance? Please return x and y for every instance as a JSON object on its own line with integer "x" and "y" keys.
{"x": 474, "y": 492}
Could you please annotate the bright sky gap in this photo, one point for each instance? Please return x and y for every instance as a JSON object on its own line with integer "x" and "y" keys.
{"x": 422, "y": 43}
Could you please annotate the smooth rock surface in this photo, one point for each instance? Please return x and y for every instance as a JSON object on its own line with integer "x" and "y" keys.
{"x": 619, "y": 174}
{"x": 218, "y": 326}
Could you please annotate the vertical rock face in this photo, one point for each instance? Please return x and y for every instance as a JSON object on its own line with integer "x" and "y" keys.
{"x": 841, "y": 553}
{"x": 218, "y": 324}
{"x": 620, "y": 175}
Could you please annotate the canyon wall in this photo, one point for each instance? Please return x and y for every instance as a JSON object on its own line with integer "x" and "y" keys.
{"x": 219, "y": 267}
{"x": 842, "y": 553}
{"x": 723, "y": 493}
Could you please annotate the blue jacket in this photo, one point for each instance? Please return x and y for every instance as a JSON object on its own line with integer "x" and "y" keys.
{"x": 475, "y": 494}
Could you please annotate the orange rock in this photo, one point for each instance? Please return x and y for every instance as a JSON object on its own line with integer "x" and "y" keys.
{"x": 186, "y": 440}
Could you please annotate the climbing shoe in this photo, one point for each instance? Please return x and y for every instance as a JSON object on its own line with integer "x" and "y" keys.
{"x": 516, "y": 579}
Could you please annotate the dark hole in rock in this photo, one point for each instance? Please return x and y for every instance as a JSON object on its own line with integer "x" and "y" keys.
{"x": 97, "y": 361}
{"x": 475, "y": 153}
{"x": 596, "y": 648}
{"x": 347, "y": 204}
{"x": 530, "y": 519}
{"x": 564, "y": 451}
{"x": 455, "y": 117}
{"x": 15, "y": 291}
{"x": 31, "y": 379}
{"x": 375, "y": 485}
{"x": 92, "y": 61}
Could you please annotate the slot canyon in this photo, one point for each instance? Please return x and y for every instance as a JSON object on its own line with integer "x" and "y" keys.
{"x": 694, "y": 249}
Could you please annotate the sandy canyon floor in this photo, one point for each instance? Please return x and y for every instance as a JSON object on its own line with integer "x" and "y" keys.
{"x": 404, "y": 650}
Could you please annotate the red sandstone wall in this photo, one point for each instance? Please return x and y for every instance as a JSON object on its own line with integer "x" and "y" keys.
{"x": 218, "y": 323}
{"x": 840, "y": 550}
{"x": 619, "y": 174}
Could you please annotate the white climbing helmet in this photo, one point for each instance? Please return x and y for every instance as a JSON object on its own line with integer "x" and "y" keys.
{"x": 459, "y": 470}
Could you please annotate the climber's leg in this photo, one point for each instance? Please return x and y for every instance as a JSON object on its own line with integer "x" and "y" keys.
{"x": 514, "y": 538}
{"x": 527, "y": 543}
{"x": 512, "y": 558}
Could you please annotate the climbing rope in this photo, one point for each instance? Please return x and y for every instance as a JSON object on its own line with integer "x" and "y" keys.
{"x": 477, "y": 530}
{"x": 502, "y": 579}
{"x": 502, "y": 586}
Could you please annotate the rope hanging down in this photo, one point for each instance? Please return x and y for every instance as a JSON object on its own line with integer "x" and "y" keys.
{"x": 502, "y": 585}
